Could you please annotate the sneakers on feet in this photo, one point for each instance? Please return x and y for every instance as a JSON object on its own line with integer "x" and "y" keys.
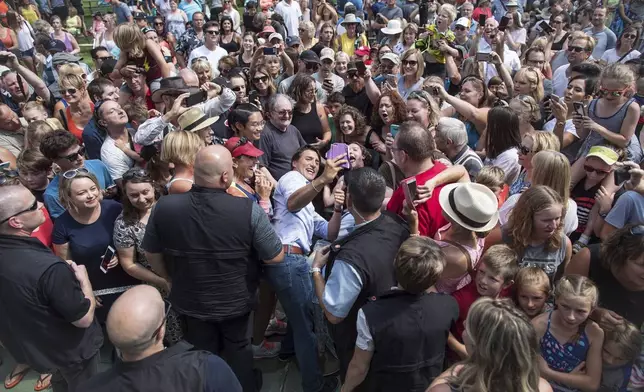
{"x": 331, "y": 384}
{"x": 266, "y": 350}
{"x": 275, "y": 327}
{"x": 281, "y": 316}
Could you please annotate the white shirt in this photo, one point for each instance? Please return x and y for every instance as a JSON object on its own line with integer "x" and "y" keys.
{"x": 610, "y": 56}
{"x": 213, "y": 55}
{"x": 511, "y": 61}
{"x": 508, "y": 160}
{"x": 117, "y": 161}
{"x": 291, "y": 13}
{"x": 560, "y": 80}
{"x": 570, "y": 220}
{"x": 569, "y": 127}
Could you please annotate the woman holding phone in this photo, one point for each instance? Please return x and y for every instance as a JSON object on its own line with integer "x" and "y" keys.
{"x": 391, "y": 112}
{"x": 84, "y": 234}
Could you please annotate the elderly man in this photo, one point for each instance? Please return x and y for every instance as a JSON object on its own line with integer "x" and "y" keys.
{"x": 280, "y": 140}
{"x": 214, "y": 271}
{"x": 451, "y": 139}
{"x": 47, "y": 305}
{"x": 12, "y": 136}
{"x": 19, "y": 83}
{"x": 136, "y": 327}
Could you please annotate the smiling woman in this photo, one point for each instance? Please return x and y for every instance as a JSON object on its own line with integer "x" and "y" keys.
{"x": 79, "y": 107}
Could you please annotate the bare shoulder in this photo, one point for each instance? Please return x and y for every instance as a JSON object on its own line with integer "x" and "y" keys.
{"x": 440, "y": 383}
{"x": 544, "y": 386}
{"x": 540, "y": 322}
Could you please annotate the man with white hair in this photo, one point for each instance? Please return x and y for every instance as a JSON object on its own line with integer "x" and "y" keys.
{"x": 451, "y": 139}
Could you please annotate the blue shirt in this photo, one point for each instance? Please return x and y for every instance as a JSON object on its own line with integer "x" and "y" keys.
{"x": 604, "y": 40}
{"x": 499, "y": 9}
{"x": 629, "y": 209}
{"x": 122, "y": 12}
{"x": 296, "y": 228}
{"x": 190, "y": 8}
{"x": 52, "y": 201}
{"x": 93, "y": 139}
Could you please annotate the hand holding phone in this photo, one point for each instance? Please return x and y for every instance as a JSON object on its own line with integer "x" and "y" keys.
{"x": 107, "y": 257}
{"x": 580, "y": 109}
{"x": 393, "y": 129}
{"x": 410, "y": 190}
{"x": 270, "y": 51}
{"x": 545, "y": 27}
{"x": 361, "y": 67}
{"x": 621, "y": 175}
{"x": 196, "y": 98}
{"x": 482, "y": 18}
{"x": 339, "y": 149}
{"x": 483, "y": 57}
{"x": 503, "y": 24}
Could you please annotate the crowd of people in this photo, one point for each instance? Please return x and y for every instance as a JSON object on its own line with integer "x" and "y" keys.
{"x": 395, "y": 195}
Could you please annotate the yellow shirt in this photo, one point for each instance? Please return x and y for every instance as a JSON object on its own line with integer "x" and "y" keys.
{"x": 348, "y": 45}
{"x": 29, "y": 14}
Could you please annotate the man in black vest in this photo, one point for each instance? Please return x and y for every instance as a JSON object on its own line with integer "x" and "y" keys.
{"x": 360, "y": 265}
{"x": 209, "y": 244}
{"x": 136, "y": 326}
{"x": 46, "y": 305}
{"x": 409, "y": 325}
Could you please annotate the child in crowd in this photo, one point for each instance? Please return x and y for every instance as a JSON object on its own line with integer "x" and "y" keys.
{"x": 33, "y": 111}
{"x": 397, "y": 323}
{"x": 571, "y": 343}
{"x": 98, "y": 26}
{"x": 531, "y": 291}
{"x": 621, "y": 349}
{"x": 493, "y": 277}
{"x": 334, "y": 103}
{"x": 493, "y": 177}
{"x": 34, "y": 171}
{"x": 73, "y": 24}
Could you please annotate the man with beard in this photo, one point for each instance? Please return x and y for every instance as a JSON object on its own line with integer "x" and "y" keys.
{"x": 355, "y": 93}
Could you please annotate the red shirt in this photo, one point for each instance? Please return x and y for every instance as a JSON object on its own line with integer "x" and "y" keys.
{"x": 430, "y": 213}
{"x": 478, "y": 11}
{"x": 465, "y": 297}
{"x": 44, "y": 231}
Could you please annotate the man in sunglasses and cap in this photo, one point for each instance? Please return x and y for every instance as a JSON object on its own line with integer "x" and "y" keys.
{"x": 308, "y": 63}
{"x": 136, "y": 327}
{"x": 38, "y": 285}
{"x": 62, "y": 148}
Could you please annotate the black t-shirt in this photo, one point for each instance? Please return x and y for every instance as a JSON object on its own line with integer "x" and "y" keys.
{"x": 71, "y": 303}
{"x": 358, "y": 100}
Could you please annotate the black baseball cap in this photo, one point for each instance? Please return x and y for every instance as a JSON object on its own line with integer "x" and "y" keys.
{"x": 139, "y": 15}
{"x": 309, "y": 56}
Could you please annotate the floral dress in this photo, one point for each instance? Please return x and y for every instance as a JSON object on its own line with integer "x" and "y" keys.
{"x": 128, "y": 235}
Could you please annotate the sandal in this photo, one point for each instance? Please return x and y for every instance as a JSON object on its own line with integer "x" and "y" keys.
{"x": 8, "y": 384}
{"x": 41, "y": 381}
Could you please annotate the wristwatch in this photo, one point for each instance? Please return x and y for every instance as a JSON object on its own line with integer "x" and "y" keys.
{"x": 314, "y": 270}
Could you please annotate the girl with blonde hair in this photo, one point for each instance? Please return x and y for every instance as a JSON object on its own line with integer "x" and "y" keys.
{"x": 503, "y": 350}
{"x": 535, "y": 231}
{"x": 531, "y": 291}
{"x": 139, "y": 54}
{"x": 529, "y": 81}
{"x": 180, "y": 148}
{"x": 568, "y": 339}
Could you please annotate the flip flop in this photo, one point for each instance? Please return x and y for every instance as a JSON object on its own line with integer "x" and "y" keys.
{"x": 18, "y": 377}
{"x": 41, "y": 381}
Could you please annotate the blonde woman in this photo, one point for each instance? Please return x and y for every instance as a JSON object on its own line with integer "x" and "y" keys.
{"x": 515, "y": 34}
{"x": 528, "y": 111}
{"x": 307, "y": 34}
{"x": 529, "y": 81}
{"x": 106, "y": 38}
{"x": 543, "y": 164}
{"x": 504, "y": 352}
{"x": 407, "y": 39}
{"x": 412, "y": 67}
{"x": 139, "y": 54}
{"x": 85, "y": 230}
{"x": 79, "y": 109}
{"x": 203, "y": 69}
{"x": 531, "y": 143}
{"x": 180, "y": 148}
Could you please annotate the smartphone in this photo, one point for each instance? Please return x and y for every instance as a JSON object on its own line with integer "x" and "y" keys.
{"x": 410, "y": 189}
{"x": 545, "y": 27}
{"x": 482, "y": 18}
{"x": 107, "y": 256}
{"x": 196, "y": 98}
{"x": 253, "y": 97}
{"x": 338, "y": 149}
{"x": 503, "y": 24}
{"x": 621, "y": 175}
{"x": 270, "y": 52}
{"x": 361, "y": 67}
{"x": 556, "y": 98}
{"x": 5, "y": 166}
{"x": 485, "y": 57}
{"x": 579, "y": 108}
{"x": 327, "y": 84}
{"x": 393, "y": 129}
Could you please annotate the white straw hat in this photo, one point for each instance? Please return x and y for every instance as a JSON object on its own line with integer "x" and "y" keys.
{"x": 394, "y": 26}
{"x": 473, "y": 206}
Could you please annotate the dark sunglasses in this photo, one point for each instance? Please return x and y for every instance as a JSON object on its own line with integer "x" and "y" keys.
{"x": 168, "y": 306}
{"x": 460, "y": 28}
{"x": 283, "y": 113}
{"x": 629, "y": 36}
{"x": 31, "y": 208}
{"x": 312, "y": 66}
{"x": 260, "y": 79}
{"x": 590, "y": 169}
{"x": 352, "y": 74}
{"x": 213, "y": 32}
{"x": 7, "y": 175}
{"x": 104, "y": 58}
{"x": 525, "y": 150}
{"x": 159, "y": 23}
{"x": 139, "y": 174}
{"x": 74, "y": 156}
{"x": 637, "y": 230}
{"x": 577, "y": 49}
{"x": 70, "y": 91}
{"x": 409, "y": 62}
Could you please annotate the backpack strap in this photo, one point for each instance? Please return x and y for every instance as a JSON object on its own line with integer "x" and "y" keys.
{"x": 470, "y": 268}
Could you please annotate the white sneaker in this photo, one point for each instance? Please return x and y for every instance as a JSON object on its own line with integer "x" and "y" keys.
{"x": 266, "y": 350}
{"x": 275, "y": 327}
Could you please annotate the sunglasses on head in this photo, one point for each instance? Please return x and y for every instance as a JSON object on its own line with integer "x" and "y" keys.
{"x": 590, "y": 169}
{"x": 139, "y": 174}
{"x": 32, "y": 207}
{"x": 69, "y": 174}
{"x": 74, "y": 156}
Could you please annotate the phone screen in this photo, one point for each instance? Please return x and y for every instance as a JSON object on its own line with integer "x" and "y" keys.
{"x": 5, "y": 165}
{"x": 361, "y": 67}
{"x": 196, "y": 98}
{"x": 482, "y": 18}
{"x": 270, "y": 52}
{"x": 579, "y": 108}
{"x": 393, "y": 129}
{"x": 621, "y": 176}
{"x": 410, "y": 190}
{"x": 504, "y": 23}
{"x": 482, "y": 56}
{"x": 546, "y": 27}
{"x": 107, "y": 256}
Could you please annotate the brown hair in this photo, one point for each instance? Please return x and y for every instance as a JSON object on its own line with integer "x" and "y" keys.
{"x": 399, "y": 107}
{"x": 621, "y": 247}
{"x": 418, "y": 264}
{"x": 32, "y": 160}
{"x": 501, "y": 260}
{"x": 136, "y": 111}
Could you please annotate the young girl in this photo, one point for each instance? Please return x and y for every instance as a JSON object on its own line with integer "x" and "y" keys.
{"x": 531, "y": 291}
{"x": 571, "y": 343}
{"x": 621, "y": 349}
{"x": 98, "y": 26}
{"x": 611, "y": 118}
{"x": 73, "y": 24}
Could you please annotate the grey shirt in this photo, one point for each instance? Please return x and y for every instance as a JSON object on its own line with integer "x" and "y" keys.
{"x": 604, "y": 40}
{"x": 279, "y": 147}
{"x": 540, "y": 256}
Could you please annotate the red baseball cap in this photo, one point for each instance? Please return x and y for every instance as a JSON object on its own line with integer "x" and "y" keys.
{"x": 238, "y": 147}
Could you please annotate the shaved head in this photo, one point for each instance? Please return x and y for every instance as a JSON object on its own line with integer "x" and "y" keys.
{"x": 15, "y": 201}
{"x": 214, "y": 167}
{"x": 134, "y": 318}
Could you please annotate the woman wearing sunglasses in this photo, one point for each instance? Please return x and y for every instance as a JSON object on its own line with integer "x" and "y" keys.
{"x": 84, "y": 234}
{"x": 624, "y": 49}
{"x": 79, "y": 109}
{"x": 611, "y": 118}
{"x": 263, "y": 84}
{"x": 531, "y": 143}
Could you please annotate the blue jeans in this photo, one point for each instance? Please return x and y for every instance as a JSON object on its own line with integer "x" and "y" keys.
{"x": 293, "y": 285}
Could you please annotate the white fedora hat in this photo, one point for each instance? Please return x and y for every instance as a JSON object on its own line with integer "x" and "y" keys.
{"x": 194, "y": 119}
{"x": 349, "y": 18}
{"x": 394, "y": 26}
{"x": 473, "y": 206}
